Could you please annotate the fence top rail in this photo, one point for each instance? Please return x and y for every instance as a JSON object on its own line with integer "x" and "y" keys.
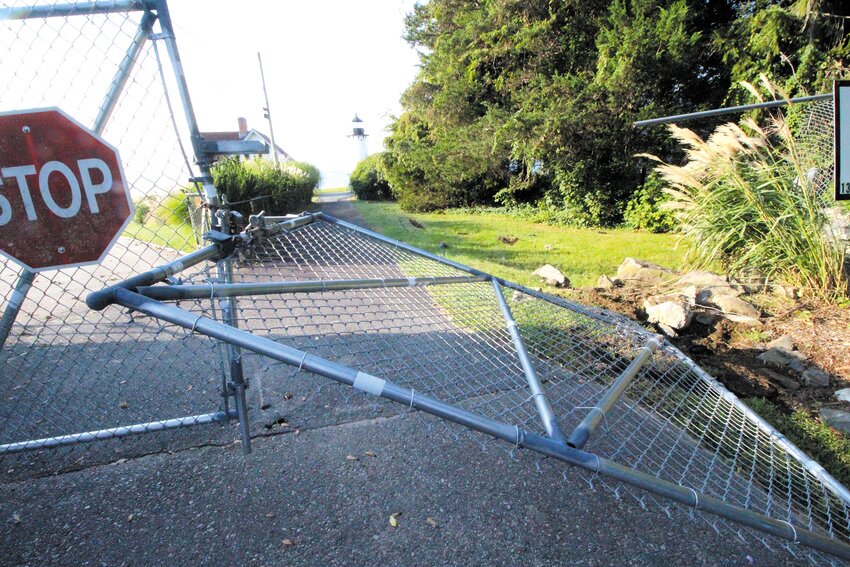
{"x": 76, "y": 9}
{"x": 728, "y": 110}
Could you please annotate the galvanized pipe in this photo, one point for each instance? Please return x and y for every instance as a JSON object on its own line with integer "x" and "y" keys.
{"x": 594, "y": 417}
{"x": 13, "y": 307}
{"x": 113, "y": 433}
{"x": 123, "y": 72}
{"x": 540, "y": 399}
{"x": 98, "y": 300}
{"x": 288, "y": 224}
{"x": 511, "y": 434}
{"x": 729, "y": 110}
{"x": 204, "y": 291}
{"x": 76, "y": 9}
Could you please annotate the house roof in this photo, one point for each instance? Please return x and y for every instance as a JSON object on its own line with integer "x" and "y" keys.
{"x": 224, "y": 136}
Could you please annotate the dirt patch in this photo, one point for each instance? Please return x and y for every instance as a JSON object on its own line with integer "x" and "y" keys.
{"x": 729, "y": 351}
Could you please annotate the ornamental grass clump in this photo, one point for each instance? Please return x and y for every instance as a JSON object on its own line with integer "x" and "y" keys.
{"x": 745, "y": 200}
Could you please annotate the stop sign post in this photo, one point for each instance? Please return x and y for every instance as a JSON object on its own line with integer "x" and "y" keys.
{"x": 63, "y": 196}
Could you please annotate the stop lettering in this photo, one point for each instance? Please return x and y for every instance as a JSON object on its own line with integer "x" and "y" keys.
{"x": 63, "y": 196}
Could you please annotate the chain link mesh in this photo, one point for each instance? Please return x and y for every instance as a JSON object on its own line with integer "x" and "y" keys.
{"x": 67, "y": 369}
{"x": 451, "y": 342}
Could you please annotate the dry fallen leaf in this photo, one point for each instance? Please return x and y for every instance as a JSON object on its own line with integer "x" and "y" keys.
{"x": 432, "y": 522}
{"x": 393, "y": 521}
{"x": 130, "y": 517}
{"x": 16, "y": 518}
{"x": 287, "y": 396}
{"x": 370, "y": 454}
{"x": 351, "y": 458}
{"x": 124, "y": 405}
{"x": 270, "y": 515}
{"x": 288, "y": 542}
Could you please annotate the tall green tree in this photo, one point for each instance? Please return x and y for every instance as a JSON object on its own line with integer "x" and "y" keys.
{"x": 533, "y": 100}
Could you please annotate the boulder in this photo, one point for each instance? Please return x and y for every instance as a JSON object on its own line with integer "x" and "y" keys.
{"x": 783, "y": 342}
{"x": 843, "y": 395}
{"x": 731, "y": 305}
{"x": 551, "y": 275}
{"x": 638, "y": 271}
{"x": 604, "y": 282}
{"x": 673, "y": 311}
{"x": 838, "y": 419}
{"x": 785, "y": 381}
{"x": 705, "y": 280}
{"x": 781, "y": 358}
{"x": 815, "y": 377}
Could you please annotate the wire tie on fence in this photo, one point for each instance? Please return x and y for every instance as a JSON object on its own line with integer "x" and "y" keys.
{"x": 518, "y": 438}
{"x": 301, "y": 364}
{"x": 195, "y": 325}
{"x": 696, "y": 498}
{"x": 793, "y": 529}
{"x": 412, "y": 393}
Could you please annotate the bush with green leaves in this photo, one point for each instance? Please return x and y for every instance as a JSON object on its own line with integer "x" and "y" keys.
{"x": 645, "y": 210}
{"x": 745, "y": 199}
{"x": 285, "y": 187}
{"x": 368, "y": 182}
{"x": 172, "y": 209}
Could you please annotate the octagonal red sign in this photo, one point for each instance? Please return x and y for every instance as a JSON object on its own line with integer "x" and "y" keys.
{"x": 63, "y": 196}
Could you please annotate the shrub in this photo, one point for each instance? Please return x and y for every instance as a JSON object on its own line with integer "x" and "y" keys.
{"x": 644, "y": 211}
{"x": 287, "y": 187}
{"x": 142, "y": 210}
{"x": 745, "y": 200}
{"x": 367, "y": 180}
{"x": 172, "y": 210}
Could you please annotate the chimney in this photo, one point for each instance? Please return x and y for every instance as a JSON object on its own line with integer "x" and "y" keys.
{"x": 243, "y": 127}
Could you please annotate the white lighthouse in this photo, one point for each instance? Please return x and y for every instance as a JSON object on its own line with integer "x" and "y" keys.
{"x": 358, "y": 134}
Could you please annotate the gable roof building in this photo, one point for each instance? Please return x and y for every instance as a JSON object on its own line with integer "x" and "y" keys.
{"x": 252, "y": 135}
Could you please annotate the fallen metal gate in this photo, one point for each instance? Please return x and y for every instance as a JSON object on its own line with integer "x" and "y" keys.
{"x": 327, "y": 298}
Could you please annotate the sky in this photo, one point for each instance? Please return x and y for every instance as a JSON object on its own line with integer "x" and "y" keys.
{"x": 324, "y": 61}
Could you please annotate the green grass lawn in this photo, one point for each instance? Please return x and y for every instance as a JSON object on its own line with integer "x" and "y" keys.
{"x": 179, "y": 237}
{"x": 582, "y": 254}
{"x": 331, "y": 190}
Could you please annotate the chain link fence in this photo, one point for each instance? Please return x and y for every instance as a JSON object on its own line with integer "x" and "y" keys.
{"x": 68, "y": 371}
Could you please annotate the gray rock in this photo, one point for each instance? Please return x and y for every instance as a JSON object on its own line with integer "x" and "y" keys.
{"x": 674, "y": 311}
{"x": 731, "y": 305}
{"x": 781, "y": 358}
{"x": 784, "y": 291}
{"x": 816, "y": 378}
{"x": 838, "y": 419}
{"x": 706, "y": 318}
{"x": 638, "y": 271}
{"x": 705, "y": 280}
{"x": 669, "y": 332}
{"x": 842, "y": 395}
{"x": 785, "y": 381}
{"x": 551, "y": 275}
{"x": 604, "y": 282}
{"x": 783, "y": 342}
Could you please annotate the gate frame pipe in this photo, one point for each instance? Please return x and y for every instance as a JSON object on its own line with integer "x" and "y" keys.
{"x": 597, "y": 413}
{"x": 541, "y": 401}
{"x": 205, "y": 291}
{"x": 511, "y": 434}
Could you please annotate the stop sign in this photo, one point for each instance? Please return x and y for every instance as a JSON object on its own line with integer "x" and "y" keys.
{"x": 63, "y": 197}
